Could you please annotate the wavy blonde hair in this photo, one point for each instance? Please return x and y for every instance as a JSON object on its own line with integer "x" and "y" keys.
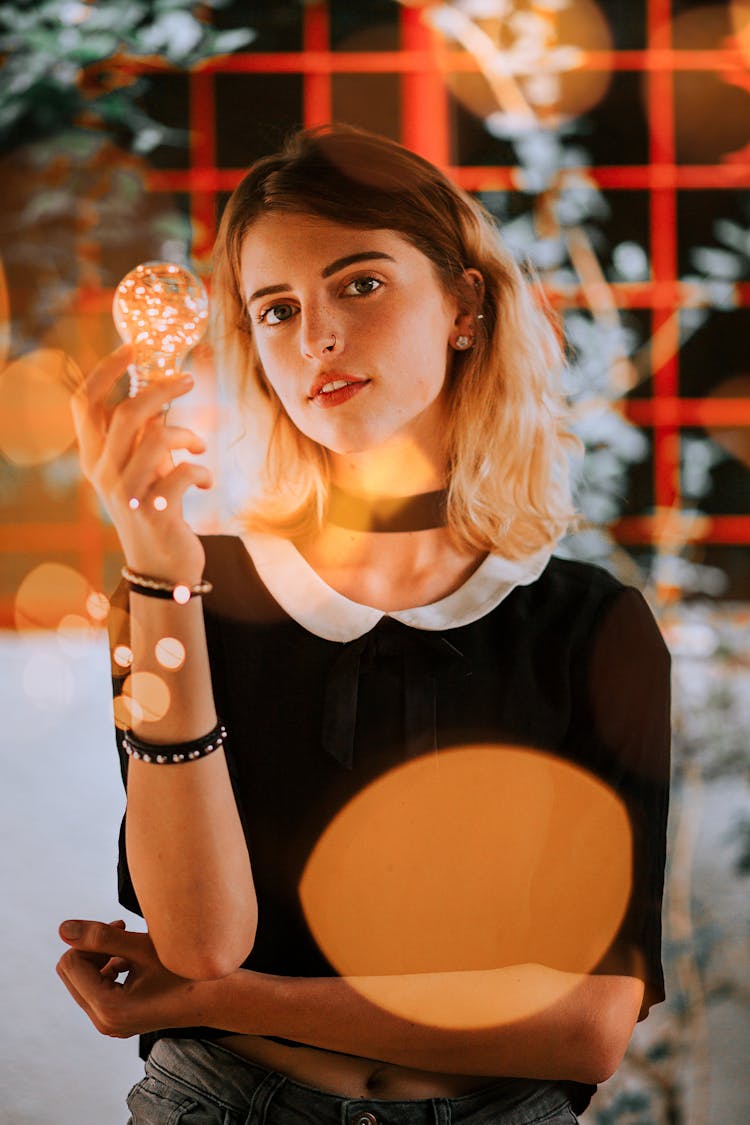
{"x": 507, "y": 437}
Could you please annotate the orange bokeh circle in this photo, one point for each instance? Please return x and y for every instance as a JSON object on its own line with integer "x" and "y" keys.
{"x": 36, "y": 424}
{"x": 472, "y": 860}
{"x": 150, "y": 695}
{"x": 48, "y": 594}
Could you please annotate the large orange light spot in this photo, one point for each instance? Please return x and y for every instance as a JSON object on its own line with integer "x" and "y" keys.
{"x": 72, "y": 630}
{"x": 734, "y": 439}
{"x": 740, "y": 14}
{"x": 36, "y": 424}
{"x": 478, "y": 859}
{"x": 712, "y": 108}
{"x": 536, "y": 63}
{"x": 48, "y": 594}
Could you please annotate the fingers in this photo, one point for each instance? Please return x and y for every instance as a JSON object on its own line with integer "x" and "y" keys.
{"x": 107, "y": 435}
{"x": 88, "y": 403}
{"x": 114, "y": 967}
{"x": 100, "y": 382}
{"x": 63, "y": 971}
{"x": 131, "y": 415}
{"x": 99, "y": 996}
{"x": 100, "y": 940}
{"x": 164, "y": 498}
{"x": 155, "y": 449}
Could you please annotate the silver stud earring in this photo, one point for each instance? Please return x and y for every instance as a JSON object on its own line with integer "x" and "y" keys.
{"x": 463, "y": 342}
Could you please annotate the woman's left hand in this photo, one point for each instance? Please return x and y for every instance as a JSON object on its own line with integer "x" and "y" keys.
{"x": 148, "y": 999}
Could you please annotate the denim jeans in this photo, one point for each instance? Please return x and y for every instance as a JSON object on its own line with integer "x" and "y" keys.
{"x": 197, "y": 1082}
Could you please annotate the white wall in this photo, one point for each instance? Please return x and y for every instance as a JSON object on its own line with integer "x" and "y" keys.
{"x": 60, "y": 807}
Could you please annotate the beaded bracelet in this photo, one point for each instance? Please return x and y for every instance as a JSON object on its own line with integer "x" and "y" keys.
{"x": 178, "y": 751}
{"x": 157, "y": 588}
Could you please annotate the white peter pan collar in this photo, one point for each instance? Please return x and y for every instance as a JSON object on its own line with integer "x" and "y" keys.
{"x": 320, "y": 609}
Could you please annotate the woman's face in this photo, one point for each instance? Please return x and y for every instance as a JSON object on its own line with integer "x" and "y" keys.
{"x": 352, "y": 328}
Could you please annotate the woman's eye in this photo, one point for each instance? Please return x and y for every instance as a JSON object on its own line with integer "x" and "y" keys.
{"x": 276, "y": 314}
{"x": 362, "y": 286}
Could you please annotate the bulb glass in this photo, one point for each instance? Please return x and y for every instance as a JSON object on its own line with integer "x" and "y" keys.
{"x": 161, "y": 309}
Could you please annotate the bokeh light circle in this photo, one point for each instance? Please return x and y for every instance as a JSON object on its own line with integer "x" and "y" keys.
{"x": 170, "y": 652}
{"x": 149, "y": 693}
{"x": 74, "y": 632}
{"x": 36, "y": 424}
{"x": 127, "y": 711}
{"x": 122, "y": 656}
{"x": 97, "y": 606}
{"x": 531, "y": 57}
{"x": 473, "y": 859}
{"x": 48, "y": 594}
{"x": 739, "y": 11}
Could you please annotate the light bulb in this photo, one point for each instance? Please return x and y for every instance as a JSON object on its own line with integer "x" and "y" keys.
{"x": 161, "y": 309}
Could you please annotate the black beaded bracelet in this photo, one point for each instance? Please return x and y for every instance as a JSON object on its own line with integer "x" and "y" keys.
{"x": 177, "y": 752}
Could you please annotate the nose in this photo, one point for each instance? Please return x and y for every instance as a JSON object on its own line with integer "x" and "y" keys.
{"x": 319, "y": 337}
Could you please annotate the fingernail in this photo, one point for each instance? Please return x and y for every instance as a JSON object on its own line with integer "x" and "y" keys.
{"x": 71, "y": 930}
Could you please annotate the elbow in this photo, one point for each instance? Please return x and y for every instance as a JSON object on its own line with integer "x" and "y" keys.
{"x": 202, "y": 961}
{"x": 607, "y": 1009}
{"x": 198, "y": 966}
{"x": 599, "y": 1063}
{"x": 604, "y": 1042}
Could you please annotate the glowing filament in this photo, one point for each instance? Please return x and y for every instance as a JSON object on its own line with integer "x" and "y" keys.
{"x": 161, "y": 308}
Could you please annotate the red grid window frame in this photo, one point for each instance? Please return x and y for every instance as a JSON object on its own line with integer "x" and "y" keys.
{"x": 425, "y": 128}
{"x": 422, "y": 62}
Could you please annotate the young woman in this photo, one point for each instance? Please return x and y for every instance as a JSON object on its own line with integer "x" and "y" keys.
{"x": 391, "y": 605}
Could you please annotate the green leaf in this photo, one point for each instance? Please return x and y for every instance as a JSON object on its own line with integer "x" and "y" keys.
{"x": 225, "y": 42}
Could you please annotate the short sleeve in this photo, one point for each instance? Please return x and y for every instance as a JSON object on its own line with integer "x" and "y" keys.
{"x": 628, "y": 687}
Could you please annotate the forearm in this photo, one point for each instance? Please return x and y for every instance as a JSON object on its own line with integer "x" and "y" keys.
{"x": 185, "y": 843}
{"x": 579, "y": 1026}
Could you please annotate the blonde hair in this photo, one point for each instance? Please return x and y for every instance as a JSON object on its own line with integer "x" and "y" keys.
{"x": 507, "y": 439}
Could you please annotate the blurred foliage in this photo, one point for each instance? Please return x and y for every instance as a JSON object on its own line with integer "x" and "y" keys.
{"x": 557, "y": 224}
{"x": 74, "y": 134}
{"x": 69, "y": 63}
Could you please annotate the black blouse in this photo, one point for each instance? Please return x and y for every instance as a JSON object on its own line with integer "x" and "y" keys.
{"x": 571, "y": 664}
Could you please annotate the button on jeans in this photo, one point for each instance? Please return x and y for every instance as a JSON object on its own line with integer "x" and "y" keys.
{"x": 197, "y": 1082}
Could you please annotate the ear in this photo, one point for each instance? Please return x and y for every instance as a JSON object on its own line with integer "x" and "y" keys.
{"x": 470, "y": 297}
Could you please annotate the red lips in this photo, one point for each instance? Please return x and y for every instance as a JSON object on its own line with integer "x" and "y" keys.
{"x": 328, "y": 377}
{"x": 344, "y": 390}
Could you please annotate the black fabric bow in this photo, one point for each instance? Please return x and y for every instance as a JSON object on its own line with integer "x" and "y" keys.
{"x": 425, "y": 656}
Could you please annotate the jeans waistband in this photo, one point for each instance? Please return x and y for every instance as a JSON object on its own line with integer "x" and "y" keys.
{"x": 256, "y": 1095}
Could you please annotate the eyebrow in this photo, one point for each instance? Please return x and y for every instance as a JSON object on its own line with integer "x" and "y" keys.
{"x": 334, "y": 267}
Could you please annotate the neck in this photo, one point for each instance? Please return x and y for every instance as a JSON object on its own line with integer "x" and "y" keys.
{"x": 386, "y": 514}
{"x": 389, "y": 572}
{"x": 399, "y": 469}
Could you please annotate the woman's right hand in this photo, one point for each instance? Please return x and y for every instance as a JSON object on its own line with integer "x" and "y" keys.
{"x": 126, "y": 453}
